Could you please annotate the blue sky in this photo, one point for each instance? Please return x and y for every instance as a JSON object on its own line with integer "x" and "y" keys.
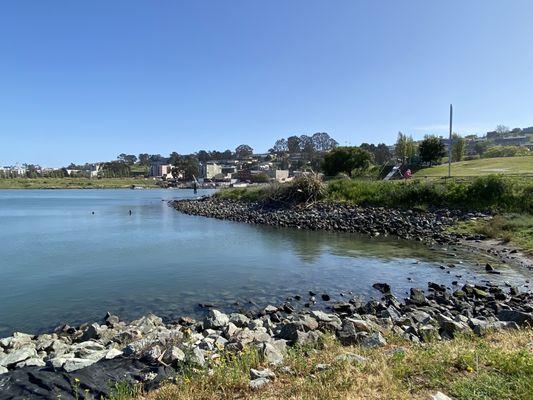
{"x": 85, "y": 81}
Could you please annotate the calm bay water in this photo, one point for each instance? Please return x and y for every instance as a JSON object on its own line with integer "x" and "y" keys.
{"x": 59, "y": 262}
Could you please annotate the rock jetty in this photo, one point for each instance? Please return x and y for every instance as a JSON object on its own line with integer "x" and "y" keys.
{"x": 424, "y": 226}
{"x": 83, "y": 361}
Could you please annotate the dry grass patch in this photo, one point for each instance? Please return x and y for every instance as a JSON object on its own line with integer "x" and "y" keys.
{"x": 499, "y": 366}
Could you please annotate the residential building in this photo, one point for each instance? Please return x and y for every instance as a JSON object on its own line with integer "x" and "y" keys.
{"x": 280, "y": 175}
{"x": 512, "y": 140}
{"x": 160, "y": 169}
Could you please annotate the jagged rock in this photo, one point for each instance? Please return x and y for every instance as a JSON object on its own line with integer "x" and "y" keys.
{"x": 373, "y": 340}
{"x": 31, "y": 362}
{"x": 519, "y": 317}
{"x": 113, "y": 353}
{"x": 174, "y": 355}
{"x": 16, "y": 356}
{"x": 152, "y": 354}
{"x": 74, "y": 364}
{"x": 239, "y": 320}
{"x": 147, "y": 323}
{"x": 289, "y": 331}
{"x": 348, "y": 334}
{"x": 215, "y": 319}
{"x": 257, "y": 384}
{"x": 343, "y": 307}
{"x": 449, "y": 326}
{"x": 270, "y": 309}
{"x": 328, "y": 321}
{"x": 382, "y": 287}
{"x": 308, "y": 322}
{"x": 417, "y": 297}
{"x": 58, "y": 362}
{"x": 112, "y": 321}
{"x": 262, "y": 374}
{"x": 138, "y": 346}
{"x": 271, "y": 353}
{"x": 92, "y": 332}
{"x": 360, "y": 325}
{"x": 195, "y": 357}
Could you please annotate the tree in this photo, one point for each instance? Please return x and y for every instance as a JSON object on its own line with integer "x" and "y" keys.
{"x": 115, "y": 169}
{"x": 188, "y": 166}
{"x": 382, "y": 154}
{"x": 279, "y": 147}
{"x": 323, "y": 142}
{"x": 203, "y": 156}
{"x": 431, "y": 149}
{"x": 346, "y": 159}
{"x": 243, "y": 151}
{"x": 405, "y": 147}
{"x": 307, "y": 145}
{"x": 129, "y": 159}
{"x": 174, "y": 158}
{"x": 144, "y": 159}
{"x": 458, "y": 147}
{"x": 293, "y": 144}
{"x": 502, "y": 129}
{"x": 154, "y": 158}
{"x": 481, "y": 147}
{"x": 228, "y": 155}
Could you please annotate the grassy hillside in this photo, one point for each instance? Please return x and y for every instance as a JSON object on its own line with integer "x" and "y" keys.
{"x": 74, "y": 183}
{"x": 483, "y": 166}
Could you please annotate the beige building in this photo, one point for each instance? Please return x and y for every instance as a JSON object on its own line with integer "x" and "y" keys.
{"x": 160, "y": 170}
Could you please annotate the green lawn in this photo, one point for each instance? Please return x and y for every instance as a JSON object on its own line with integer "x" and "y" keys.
{"x": 75, "y": 183}
{"x": 484, "y": 166}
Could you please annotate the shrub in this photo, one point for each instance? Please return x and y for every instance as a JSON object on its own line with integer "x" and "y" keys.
{"x": 306, "y": 188}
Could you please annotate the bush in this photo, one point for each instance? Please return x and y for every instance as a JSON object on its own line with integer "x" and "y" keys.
{"x": 306, "y": 188}
{"x": 483, "y": 193}
{"x": 506, "y": 151}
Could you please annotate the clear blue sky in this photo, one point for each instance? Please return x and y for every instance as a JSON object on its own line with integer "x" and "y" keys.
{"x": 87, "y": 80}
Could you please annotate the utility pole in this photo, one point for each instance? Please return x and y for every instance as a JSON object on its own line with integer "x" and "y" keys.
{"x": 450, "y": 144}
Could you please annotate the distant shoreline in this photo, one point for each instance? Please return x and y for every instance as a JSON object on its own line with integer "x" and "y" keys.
{"x": 77, "y": 183}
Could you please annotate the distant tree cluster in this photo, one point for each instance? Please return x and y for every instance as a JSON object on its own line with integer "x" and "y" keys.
{"x": 318, "y": 142}
{"x": 381, "y": 152}
{"x": 347, "y": 160}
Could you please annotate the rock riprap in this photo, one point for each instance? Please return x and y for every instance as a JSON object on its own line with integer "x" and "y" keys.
{"x": 426, "y": 226}
{"x": 148, "y": 350}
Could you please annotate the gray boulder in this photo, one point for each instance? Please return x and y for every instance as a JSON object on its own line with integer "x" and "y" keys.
{"x": 74, "y": 364}
{"x": 375, "y": 339}
{"x": 271, "y": 353}
{"x": 262, "y": 374}
{"x": 216, "y": 320}
{"x": 14, "y": 357}
{"x": 257, "y": 384}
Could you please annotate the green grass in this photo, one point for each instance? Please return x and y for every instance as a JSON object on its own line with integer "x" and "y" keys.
{"x": 514, "y": 228}
{"x": 499, "y": 366}
{"x": 75, "y": 183}
{"x": 483, "y": 193}
{"x": 481, "y": 167}
{"x": 494, "y": 192}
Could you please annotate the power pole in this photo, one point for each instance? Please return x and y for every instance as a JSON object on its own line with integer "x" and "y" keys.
{"x": 450, "y": 144}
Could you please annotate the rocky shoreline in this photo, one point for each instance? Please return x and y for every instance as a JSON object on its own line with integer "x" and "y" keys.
{"x": 86, "y": 359}
{"x": 429, "y": 227}
{"x": 423, "y": 226}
